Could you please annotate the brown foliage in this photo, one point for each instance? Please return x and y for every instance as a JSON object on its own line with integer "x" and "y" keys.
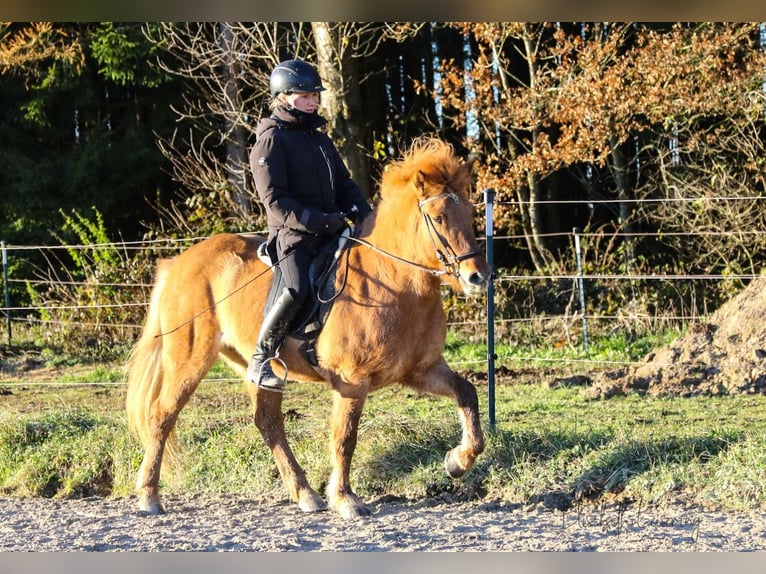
{"x": 27, "y": 48}
{"x": 593, "y": 90}
{"x": 550, "y": 98}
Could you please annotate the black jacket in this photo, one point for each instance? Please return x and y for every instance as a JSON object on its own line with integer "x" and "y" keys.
{"x": 299, "y": 175}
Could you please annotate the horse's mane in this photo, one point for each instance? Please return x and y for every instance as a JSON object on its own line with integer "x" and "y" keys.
{"x": 434, "y": 158}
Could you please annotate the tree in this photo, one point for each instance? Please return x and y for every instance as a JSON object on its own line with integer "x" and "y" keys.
{"x": 223, "y": 91}
{"x": 77, "y": 129}
{"x": 712, "y": 178}
{"x": 586, "y": 95}
{"x": 511, "y": 64}
{"x": 339, "y": 46}
{"x": 226, "y": 67}
{"x": 27, "y": 49}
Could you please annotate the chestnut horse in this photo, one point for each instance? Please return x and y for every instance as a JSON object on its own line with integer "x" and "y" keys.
{"x": 386, "y": 325}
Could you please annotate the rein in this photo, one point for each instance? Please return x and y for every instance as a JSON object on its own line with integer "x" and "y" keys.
{"x": 430, "y": 270}
{"x": 215, "y": 303}
{"x": 451, "y": 262}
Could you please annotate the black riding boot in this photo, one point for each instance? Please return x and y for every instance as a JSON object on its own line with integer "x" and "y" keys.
{"x": 270, "y": 338}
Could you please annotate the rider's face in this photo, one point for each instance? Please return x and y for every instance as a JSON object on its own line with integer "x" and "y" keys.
{"x": 304, "y": 101}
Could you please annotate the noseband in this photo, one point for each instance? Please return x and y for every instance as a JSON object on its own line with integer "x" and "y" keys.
{"x": 451, "y": 261}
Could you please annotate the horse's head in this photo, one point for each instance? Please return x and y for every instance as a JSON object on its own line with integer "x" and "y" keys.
{"x": 447, "y": 222}
{"x": 425, "y": 215}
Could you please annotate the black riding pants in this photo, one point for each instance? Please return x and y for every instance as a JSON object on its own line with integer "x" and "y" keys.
{"x": 295, "y": 254}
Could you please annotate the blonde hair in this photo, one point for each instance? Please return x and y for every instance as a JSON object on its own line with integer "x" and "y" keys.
{"x": 275, "y": 102}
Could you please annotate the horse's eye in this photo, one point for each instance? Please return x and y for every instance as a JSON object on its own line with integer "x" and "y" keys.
{"x": 439, "y": 219}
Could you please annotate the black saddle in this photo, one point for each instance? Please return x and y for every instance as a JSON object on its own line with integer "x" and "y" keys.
{"x": 309, "y": 320}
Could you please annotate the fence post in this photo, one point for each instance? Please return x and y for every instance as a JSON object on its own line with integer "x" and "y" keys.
{"x": 489, "y": 198}
{"x": 7, "y": 291}
{"x": 580, "y": 286}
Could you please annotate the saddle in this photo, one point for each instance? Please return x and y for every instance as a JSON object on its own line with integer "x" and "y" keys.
{"x": 309, "y": 320}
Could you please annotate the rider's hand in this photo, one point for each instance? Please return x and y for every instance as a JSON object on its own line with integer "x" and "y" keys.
{"x": 333, "y": 222}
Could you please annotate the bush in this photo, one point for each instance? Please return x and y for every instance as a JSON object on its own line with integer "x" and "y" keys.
{"x": 90, "y": 304}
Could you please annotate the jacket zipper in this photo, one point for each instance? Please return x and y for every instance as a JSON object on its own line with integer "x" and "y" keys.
{"x": 329, "y": 168}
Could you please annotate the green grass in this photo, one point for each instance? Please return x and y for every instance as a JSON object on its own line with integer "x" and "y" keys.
{"x": 611, "y": 347}
{"x": 549, "y": 445}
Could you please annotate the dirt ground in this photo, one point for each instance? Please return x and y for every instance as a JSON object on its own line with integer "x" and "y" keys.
{"x": 204, "y": 523}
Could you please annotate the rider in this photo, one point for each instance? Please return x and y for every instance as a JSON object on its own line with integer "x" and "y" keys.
{"x": 307, "y": 192}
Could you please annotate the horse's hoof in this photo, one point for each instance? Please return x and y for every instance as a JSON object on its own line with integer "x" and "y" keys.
{"x": 150, "y": 505}
{"x": 452, "y": 466}
{"x": 352, "y": 511}
{"x": 351, "y": 507}
{"x": 311, "y": 502}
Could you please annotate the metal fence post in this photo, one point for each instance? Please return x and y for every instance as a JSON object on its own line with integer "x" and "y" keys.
{"x": 7, "y": 291}
{"x": 489, "y": 198}
{"x": 580, "y": 286}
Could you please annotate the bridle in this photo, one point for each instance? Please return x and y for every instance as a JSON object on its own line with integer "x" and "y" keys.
{"x": 450, "y": 262}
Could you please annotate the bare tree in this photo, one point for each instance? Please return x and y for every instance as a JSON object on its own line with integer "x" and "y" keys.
{"x": 713, "y": 215}
{"x": 226, "y": 66}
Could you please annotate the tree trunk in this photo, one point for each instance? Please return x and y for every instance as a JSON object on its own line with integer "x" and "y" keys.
{"x": 538, "y": 249}
{"x": 619, "y": 173}
{"x": 531, "y": 217}
{"x": 236, "y": 142}
{"x": 342, "y": 102}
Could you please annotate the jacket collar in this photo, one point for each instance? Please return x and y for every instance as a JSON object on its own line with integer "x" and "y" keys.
{"x": 291, "y": 118}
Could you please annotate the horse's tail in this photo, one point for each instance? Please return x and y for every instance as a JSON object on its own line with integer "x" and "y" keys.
{"x": 146, "y": 376}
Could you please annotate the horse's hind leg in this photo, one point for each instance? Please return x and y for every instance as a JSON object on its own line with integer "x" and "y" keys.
{"x": 180, "y": 379}
{"x": 268, "y": 418}
{"x": 441, "y": 380}
{"x": 163, "y": 419}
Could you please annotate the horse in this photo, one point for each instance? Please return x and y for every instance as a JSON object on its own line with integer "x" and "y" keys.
{"x": 387, "y": 325}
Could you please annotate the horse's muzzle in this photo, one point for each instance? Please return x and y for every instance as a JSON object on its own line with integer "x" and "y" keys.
{"x": 475, "y": 278}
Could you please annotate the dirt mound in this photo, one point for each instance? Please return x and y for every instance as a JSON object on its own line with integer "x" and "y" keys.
{"x": 724, "y": 355}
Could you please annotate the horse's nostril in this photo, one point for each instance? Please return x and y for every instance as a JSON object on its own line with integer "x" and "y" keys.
{"x": 477, "y": 278}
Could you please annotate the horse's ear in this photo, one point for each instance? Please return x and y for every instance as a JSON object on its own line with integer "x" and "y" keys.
{"x": 419, "y": 181}
{"x": 464, "y": 172}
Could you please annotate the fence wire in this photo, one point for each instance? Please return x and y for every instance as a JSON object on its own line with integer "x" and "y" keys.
{"x": 504, "y": 326}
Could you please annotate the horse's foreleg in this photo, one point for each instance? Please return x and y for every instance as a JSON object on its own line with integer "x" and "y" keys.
{"x": 344, "y": 425}
{"x": 442, "y": 380}
{"x": 268, "y": 419}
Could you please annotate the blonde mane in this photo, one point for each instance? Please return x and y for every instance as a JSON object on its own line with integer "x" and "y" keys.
{"x": 434, "y": 158}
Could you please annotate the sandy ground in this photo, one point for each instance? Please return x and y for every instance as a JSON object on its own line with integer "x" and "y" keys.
{"x": 204, "y": 523}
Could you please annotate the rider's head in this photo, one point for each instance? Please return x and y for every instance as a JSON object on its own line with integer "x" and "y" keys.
{"x": 294, "y": 76}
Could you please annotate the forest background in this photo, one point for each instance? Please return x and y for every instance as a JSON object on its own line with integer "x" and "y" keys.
{"x": 646, "y": 138}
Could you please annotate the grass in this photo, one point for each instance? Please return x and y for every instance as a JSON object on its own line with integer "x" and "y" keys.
{"x": 615, "y": 346}
{"x": 549, "y": 445}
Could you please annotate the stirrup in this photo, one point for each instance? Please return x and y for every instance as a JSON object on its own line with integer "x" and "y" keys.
{"x": 267, "y": 380}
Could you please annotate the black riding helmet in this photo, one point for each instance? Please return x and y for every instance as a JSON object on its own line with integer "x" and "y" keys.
{"x": 294, "y": 76}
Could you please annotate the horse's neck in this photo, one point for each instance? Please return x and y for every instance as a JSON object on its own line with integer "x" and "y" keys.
{"x": 392, "y": 274}
{"x": 391, "y": 229}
